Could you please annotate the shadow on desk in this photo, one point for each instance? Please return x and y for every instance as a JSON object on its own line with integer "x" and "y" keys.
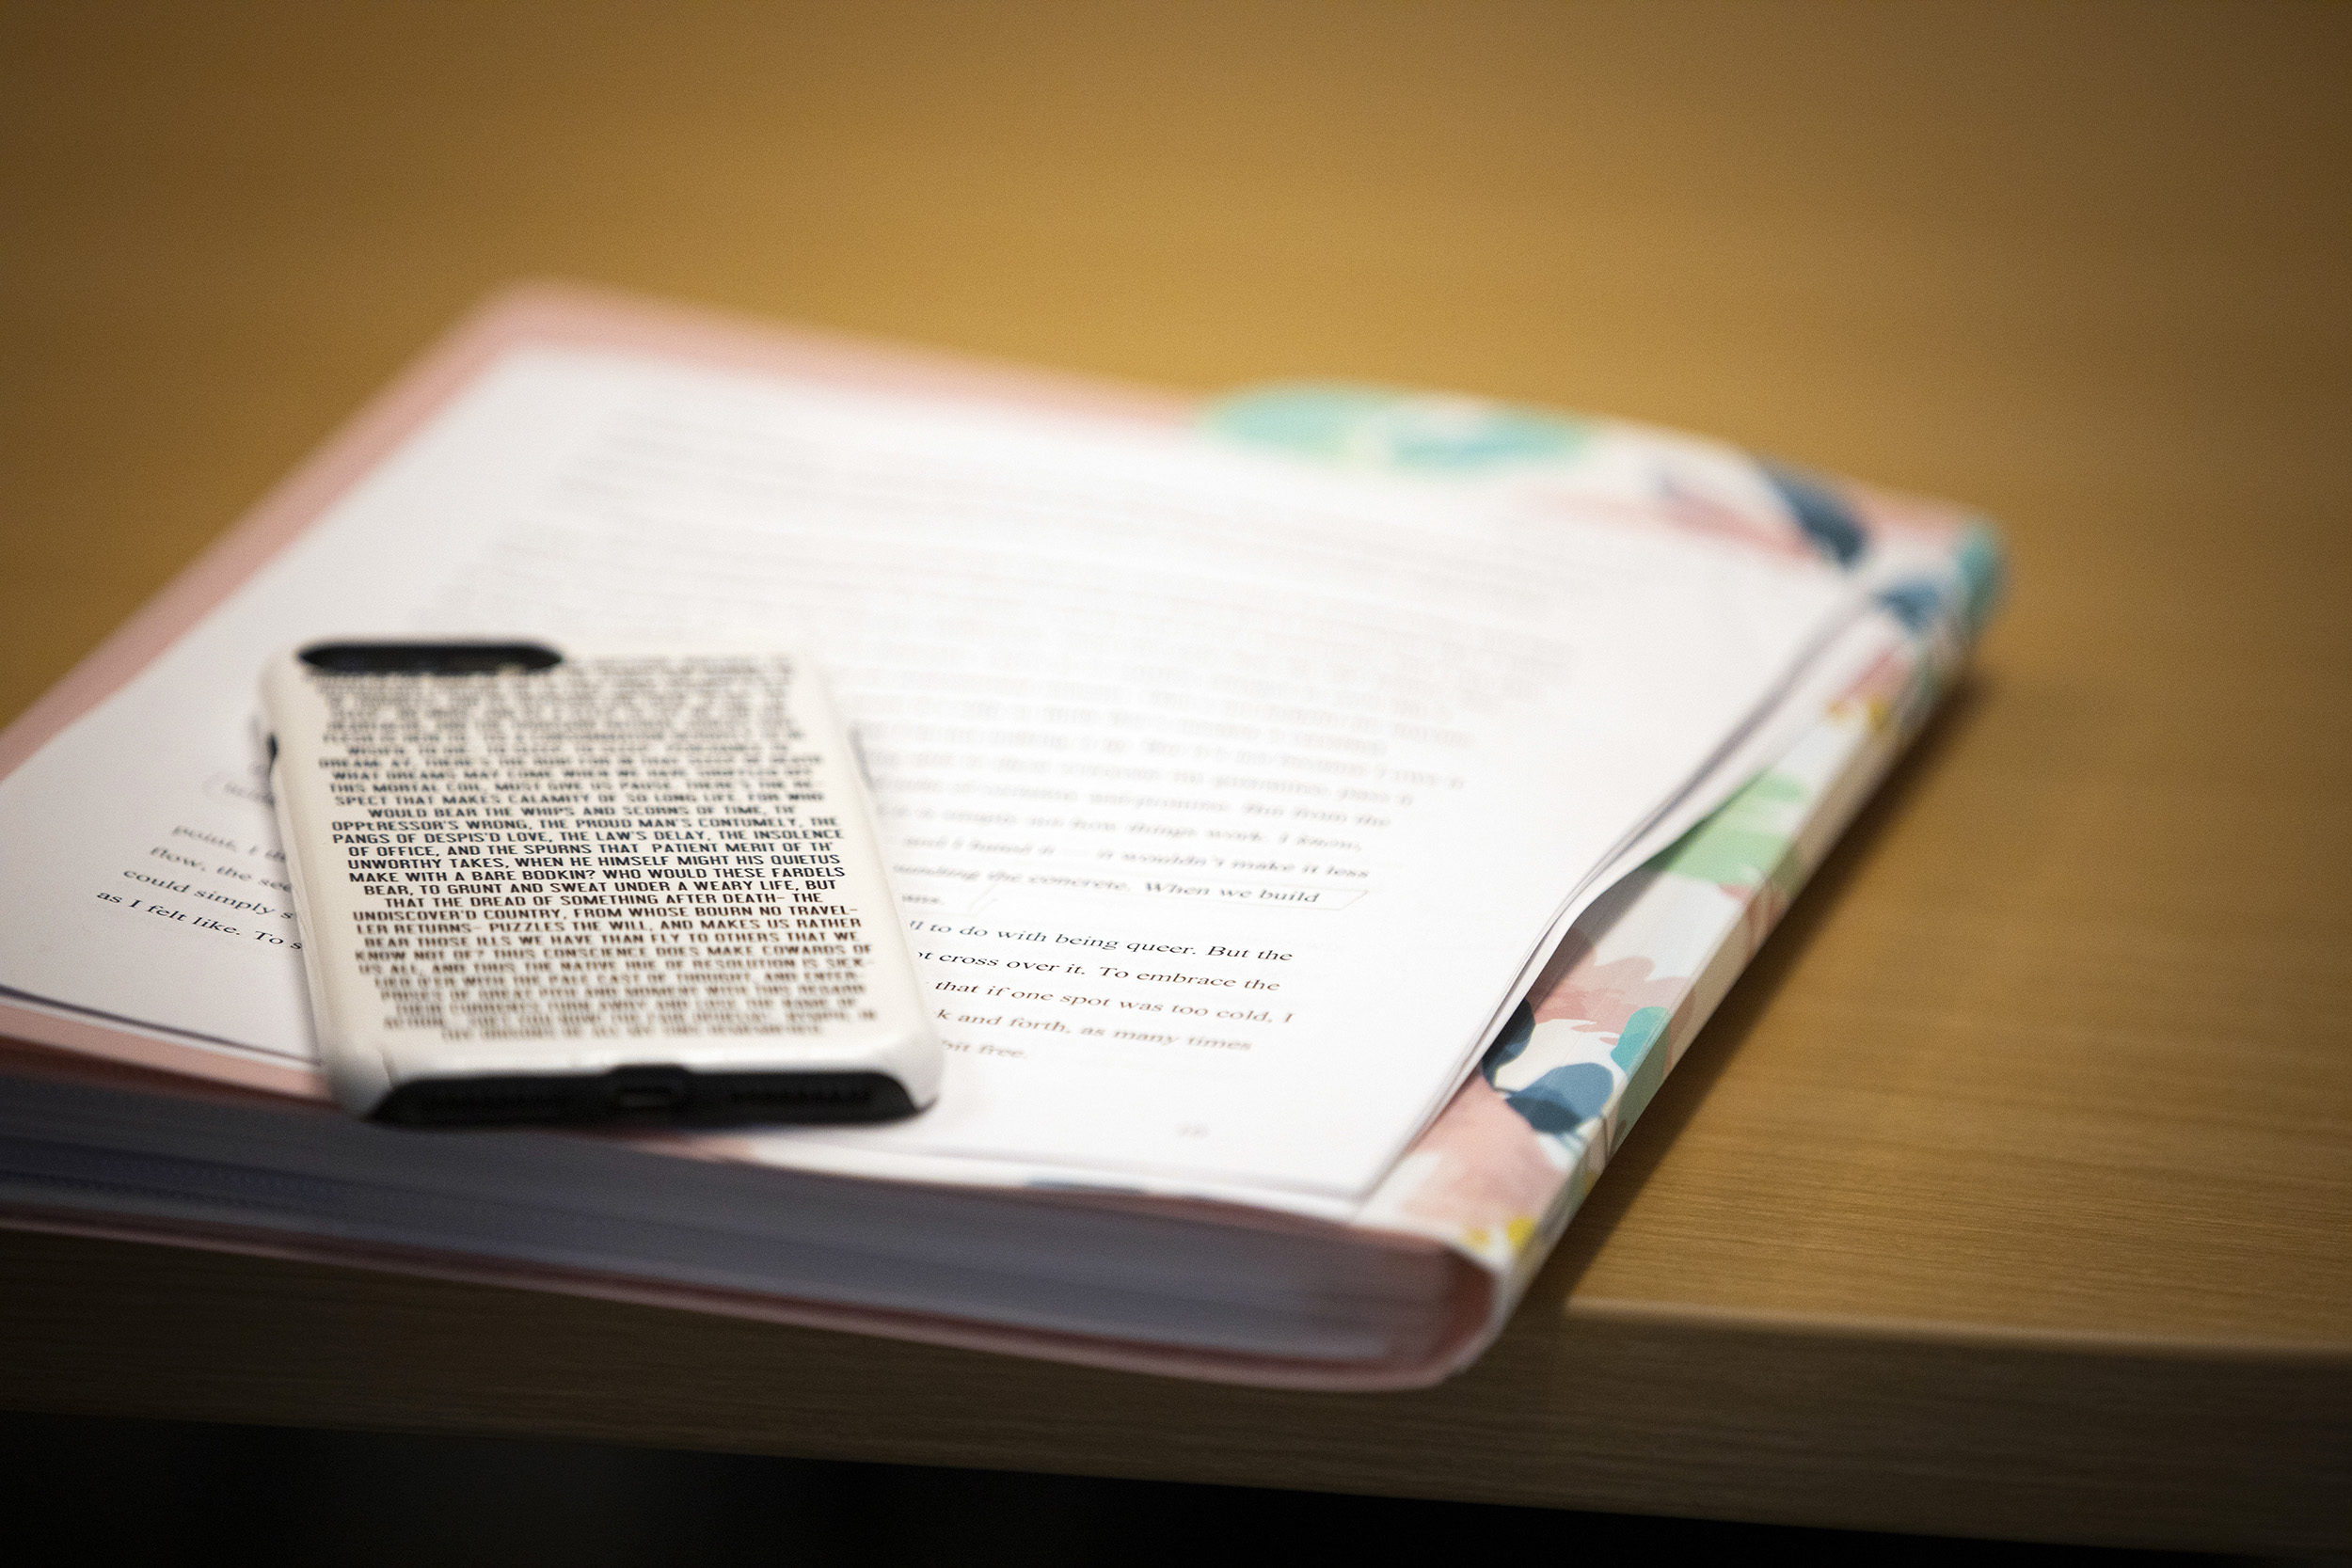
{"x": 165, "y": 1490}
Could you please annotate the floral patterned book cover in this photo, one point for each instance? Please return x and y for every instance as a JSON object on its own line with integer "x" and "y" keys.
{"x": 1501, "y": 1169}
{"x": 1505, "y": 1165}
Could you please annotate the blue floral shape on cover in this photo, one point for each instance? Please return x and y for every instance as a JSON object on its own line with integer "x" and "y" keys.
{"x": 1917, "y": 605}
{"x": 1565, "y": 1098}
{"x": 1516, "y": 1032}
{"x": 1826, "y": 519}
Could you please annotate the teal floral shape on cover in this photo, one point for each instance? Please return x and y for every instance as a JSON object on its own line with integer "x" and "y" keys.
{"x": 1983, "y": 573}
{"x": 1640, "y": 1052}
{"x": 1676, "y": 481}
{"x": 1371, "y": 427}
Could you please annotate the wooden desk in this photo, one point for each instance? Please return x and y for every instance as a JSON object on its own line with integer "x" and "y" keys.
{"x": 2010, "y": 1194}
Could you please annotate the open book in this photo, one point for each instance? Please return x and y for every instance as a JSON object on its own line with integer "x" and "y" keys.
{"x": 1321, "y": 816}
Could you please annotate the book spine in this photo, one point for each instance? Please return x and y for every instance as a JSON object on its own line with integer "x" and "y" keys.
{"x": 1500, "y": 1173}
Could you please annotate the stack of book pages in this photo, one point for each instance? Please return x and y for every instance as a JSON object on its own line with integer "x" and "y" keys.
{"x": 1322, "y": 816}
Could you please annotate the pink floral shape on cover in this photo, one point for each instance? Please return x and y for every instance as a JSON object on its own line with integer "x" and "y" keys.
{"x": 1491, "y": 1169}
{"x": 1575, "y": 988}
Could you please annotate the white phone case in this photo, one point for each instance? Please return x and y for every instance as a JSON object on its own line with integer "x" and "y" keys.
{"x": 556, "y": 885}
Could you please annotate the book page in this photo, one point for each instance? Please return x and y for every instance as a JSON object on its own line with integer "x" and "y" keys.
{"x": 1225, "y": 796}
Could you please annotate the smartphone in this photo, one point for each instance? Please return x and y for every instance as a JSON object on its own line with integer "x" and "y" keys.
{"x": 552, "y": 884}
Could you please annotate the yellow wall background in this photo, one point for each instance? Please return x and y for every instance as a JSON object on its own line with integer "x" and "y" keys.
{"x": 2064, "y": 261}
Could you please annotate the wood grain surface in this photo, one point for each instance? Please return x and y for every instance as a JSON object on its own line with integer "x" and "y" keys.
{"x": 2011, "y": 1191}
